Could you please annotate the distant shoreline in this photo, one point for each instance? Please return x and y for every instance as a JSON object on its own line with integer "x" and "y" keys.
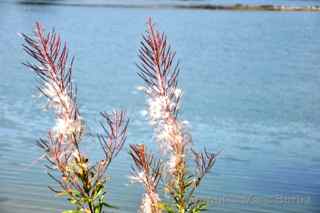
{"x": 193, "y": 6}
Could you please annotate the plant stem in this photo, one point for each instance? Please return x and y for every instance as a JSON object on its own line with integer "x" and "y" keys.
{"x": 91, "y": 207}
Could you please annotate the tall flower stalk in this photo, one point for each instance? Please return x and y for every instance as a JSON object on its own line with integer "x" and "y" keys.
{"x": 78, "y": 179}
{"x": 147, "y": 171}
{"x": 159, "y": 70}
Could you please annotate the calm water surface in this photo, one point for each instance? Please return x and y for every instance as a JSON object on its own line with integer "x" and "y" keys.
{"x": 251, "y": 82}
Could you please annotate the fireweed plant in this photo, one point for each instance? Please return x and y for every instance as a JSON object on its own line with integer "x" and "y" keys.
{"x": 160, "y": 72}
{"x": 82, "y": 182}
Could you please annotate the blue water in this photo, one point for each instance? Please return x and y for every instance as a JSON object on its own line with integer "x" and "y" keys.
{"x": 251, "y": 82}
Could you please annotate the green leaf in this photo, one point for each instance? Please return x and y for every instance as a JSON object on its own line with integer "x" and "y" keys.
{"x": 199, "y": 206}
{"x": 72, "y": 211}
{"x": 109, "y": 206}
{"x": 99, "y": 191}
{"x": 98, "y": 209}
{"x": 166, "y": 207}
{"x": 73, "y": 201}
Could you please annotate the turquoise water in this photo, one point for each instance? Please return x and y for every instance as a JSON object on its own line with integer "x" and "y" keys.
{"x": 251, "y": 83}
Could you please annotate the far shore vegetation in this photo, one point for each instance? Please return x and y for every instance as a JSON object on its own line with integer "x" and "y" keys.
{"x": 186, "y": 5}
